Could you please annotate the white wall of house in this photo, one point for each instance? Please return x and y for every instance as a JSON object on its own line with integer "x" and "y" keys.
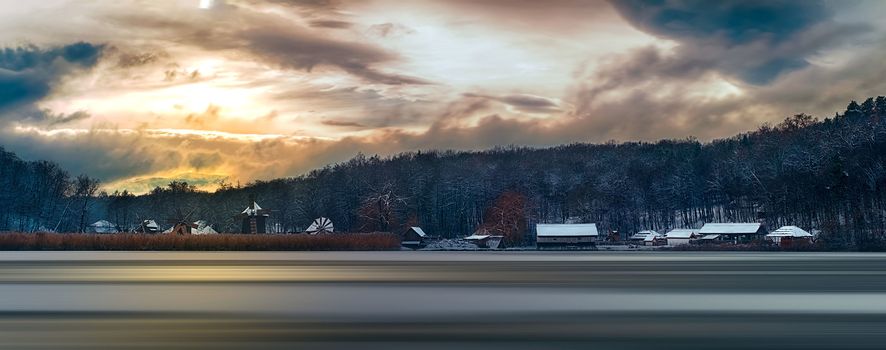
{"x": 677, "y": 241}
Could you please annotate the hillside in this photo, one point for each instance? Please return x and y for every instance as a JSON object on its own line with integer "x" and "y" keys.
{"x": 825, "y": 174}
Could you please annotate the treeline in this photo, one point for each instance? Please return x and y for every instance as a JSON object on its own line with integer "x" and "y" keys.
{"x": 818, "y": 174}
{"x": 42, "y": 196}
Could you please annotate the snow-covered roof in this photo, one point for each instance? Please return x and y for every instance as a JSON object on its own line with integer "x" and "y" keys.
{"x": 789, "y": 231}
{"x": 643, "y": 235}
{"x": 477, "y": 237}
{"x": 709, "y": 237}
{"x": 203, "y": 228}
{"x": 151, "y": 224}
{"x": 419, "y": 231}
{"x": 681, "y": 233}
{"x": 570, "y": 230}
{"x": 730, "y": 228}
{"x": 652, "y": 237}
{"x": 103, "y": 224}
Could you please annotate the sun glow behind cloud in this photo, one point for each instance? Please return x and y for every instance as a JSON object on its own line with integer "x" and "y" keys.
{"x": 256, "y": 89}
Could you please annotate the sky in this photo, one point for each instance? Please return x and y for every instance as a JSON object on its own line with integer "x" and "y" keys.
{"x": 141, "y": 92}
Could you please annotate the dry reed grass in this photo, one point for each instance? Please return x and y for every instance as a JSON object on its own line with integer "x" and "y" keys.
{"x": 219, "y": 242}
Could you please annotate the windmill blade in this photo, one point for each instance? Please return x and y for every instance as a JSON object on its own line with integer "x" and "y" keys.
{"x": 320, "y": 225}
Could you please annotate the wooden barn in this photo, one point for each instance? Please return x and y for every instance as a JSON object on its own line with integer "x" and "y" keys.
{"x": 565, "y": 236}
{"x": 254, "y": 219}
{"x": 414, "y": 238}
{"x": 643, "y": 237}
{"x": 681, "y": 236}
{"x": 148, "y": 226}
{"x": 734, "y": 232}
{"x": 482, "y": 239}
{"x": 787, "y": 236}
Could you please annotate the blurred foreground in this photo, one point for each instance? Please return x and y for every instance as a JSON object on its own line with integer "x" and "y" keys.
{"x": 441, "y": 300}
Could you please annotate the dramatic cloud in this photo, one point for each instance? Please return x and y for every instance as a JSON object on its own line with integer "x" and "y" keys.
{"x": 525, "y": 103}
{"x": 256, "y": 89}
{"x": 754, "y": 40}
{"x": 28, "y": 74}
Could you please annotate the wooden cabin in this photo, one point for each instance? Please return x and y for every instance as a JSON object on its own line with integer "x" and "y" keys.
{"x": 681, "y": 236}
{"x": 734, "y": 232}
{"x": 787, "y": 236}
{"x": 414, "y": 238}
{"x": 565, "y": 236}
{"x": 482, "y": 239}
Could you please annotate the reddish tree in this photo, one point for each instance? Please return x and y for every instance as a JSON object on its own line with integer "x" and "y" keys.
{"x": 507, "y": 217}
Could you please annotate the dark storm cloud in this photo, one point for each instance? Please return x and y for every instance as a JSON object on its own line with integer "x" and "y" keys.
{"x": 130, "y": 60}
{"x": 342, "y": 123}
{"x": 756, "y": 41}
{"x": 200, "y": 160}
{"x": 295, "y": 49}
{"x": 737, "y": 21}
{"x": 522, "y": 102}
{"x": 274, "y": 40}
{"x": 60, "y": 119}
{"x": 330, "y": 23}
{"x": 29, "y": 73}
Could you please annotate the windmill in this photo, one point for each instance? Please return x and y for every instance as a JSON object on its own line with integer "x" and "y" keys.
{"x": 181, "y": 223}
{"x": 320, "y": 225}
{"x": 254, "y": 219}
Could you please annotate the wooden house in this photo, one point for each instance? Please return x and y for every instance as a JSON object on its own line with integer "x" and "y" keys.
{"x": 734, "y": 232}
{"x": 414, "y": 238}
{"x": 681, "y": 236}
{"x": 565, "y": 236}
{"x": 789, "y": 235}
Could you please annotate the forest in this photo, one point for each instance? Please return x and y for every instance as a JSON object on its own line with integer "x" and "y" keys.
{"x": 828, "y": 175}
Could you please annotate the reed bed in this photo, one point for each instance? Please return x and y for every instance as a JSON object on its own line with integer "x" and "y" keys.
{"x": 218, "y": 242}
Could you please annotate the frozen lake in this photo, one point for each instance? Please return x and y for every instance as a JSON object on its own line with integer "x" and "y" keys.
{"x": 442, "y": 300}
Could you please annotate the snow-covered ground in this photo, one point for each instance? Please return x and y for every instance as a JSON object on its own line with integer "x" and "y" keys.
{"x": 450, "y": 244}
{"x": 458, "y": 244}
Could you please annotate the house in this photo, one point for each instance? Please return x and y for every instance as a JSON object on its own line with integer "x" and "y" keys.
{"x": 254, "y": 219}
{"x": 790, "y": 235}
{"x": 734, "y": 232}
{"x": 565, "y": 235}
{"x": 485, "y": 240}
{"x": 201, "y": 227}
{"x": 640, "y": 237}
{"x": 148, "y": 226}
{"x": 681, "y": 236}
{"x": 103, "y": 226}
{"x": 414, "y": 238}
{"x": 654, "y": 239}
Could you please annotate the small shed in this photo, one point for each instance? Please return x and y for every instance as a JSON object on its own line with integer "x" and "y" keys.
{"x": 565, "y": 235}
{"x": 735, "y": 232}
{"x": 790, "y": 235}
{"x": 640, "y": 237}
{"x": 414, "y": 238}
{"x": 655, "y": 239}
{"x": 103, "y": 226}
{"x": 681, "y": 236}
{"x": 485, "y": 240}
{"x": 148, "y": 226}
